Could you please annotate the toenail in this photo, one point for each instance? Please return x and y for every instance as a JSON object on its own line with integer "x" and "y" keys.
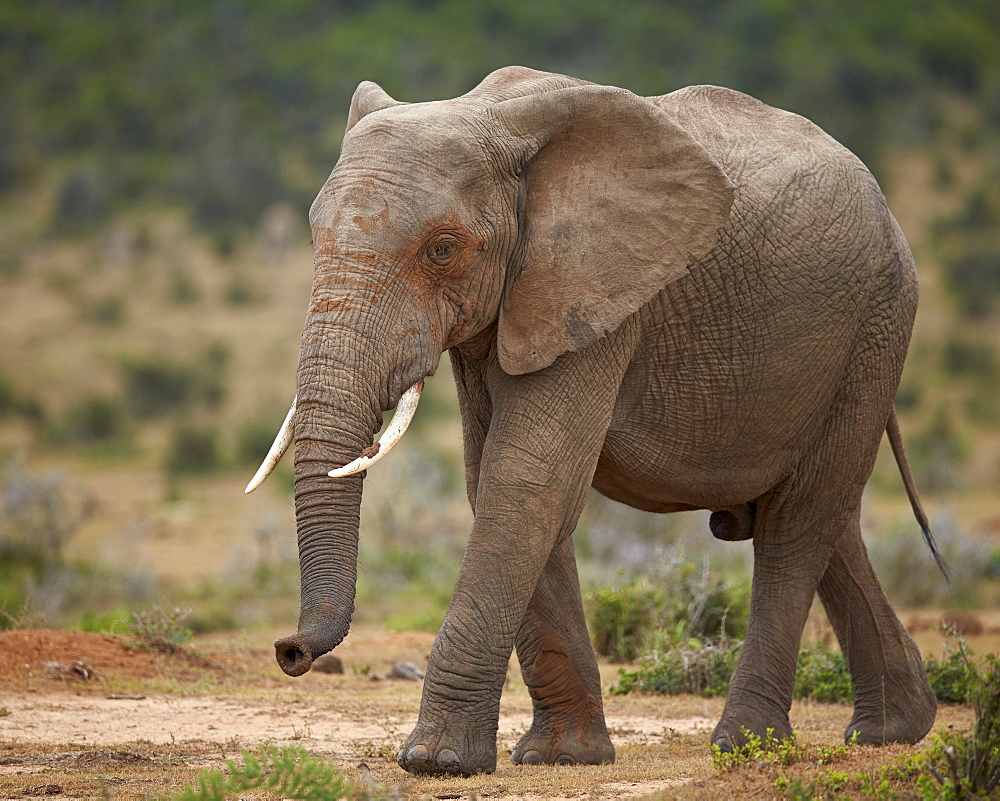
{"x": 724, "y": 744}
{"x": 531, "y": 758}
{"x": 418, "y": 753}
{"x": 565, "y": 759}
{"x": 448, "y": 759}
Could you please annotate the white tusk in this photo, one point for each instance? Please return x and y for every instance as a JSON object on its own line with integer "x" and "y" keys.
{"x": 394, "y": 433}
{"x": 278, "y": 448}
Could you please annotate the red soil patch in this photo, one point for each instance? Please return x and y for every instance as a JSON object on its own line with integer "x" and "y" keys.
{"x": 25, "y": 652}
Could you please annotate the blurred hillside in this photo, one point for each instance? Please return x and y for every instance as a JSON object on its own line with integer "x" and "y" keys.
{"x": 157, "y": 162}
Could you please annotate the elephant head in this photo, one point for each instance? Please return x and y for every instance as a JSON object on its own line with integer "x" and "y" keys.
{"x": 537, "y": 210}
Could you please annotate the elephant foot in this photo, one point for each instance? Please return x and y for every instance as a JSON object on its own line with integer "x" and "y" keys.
{"x": 555, "y": 744}
{"x": 736, "y": 723}
{"x": 450, "y": 752}
{"x": 881, "y": 721}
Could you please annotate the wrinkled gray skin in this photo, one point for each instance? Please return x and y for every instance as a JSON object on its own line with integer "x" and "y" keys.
{"x": 692, "y": 301}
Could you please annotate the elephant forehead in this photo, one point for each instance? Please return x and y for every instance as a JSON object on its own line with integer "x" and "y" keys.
{"x": 375, "y": 204}
{"x": 424, "y": 138}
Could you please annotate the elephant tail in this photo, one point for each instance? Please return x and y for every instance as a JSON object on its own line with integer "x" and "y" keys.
{"x": 896, "y": 441}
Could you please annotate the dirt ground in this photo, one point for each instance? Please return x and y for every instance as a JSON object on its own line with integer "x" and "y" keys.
{"x": 82, "y": 715}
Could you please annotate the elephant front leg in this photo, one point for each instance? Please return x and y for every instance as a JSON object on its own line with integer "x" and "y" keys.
{"x": 459, "y": 709}
{"x": 537, "y": 466}
{"x": 560, "y": 670}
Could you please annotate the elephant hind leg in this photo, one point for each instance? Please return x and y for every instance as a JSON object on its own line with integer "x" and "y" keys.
{"x": 559, "y": 667}
{"x": 795, "y": 527}
{"x": 893, "y": 701}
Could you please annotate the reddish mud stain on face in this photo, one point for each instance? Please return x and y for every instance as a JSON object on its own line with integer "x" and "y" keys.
{"x": 324, "y": 306}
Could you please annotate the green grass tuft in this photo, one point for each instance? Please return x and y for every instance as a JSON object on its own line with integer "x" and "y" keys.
{"x": 288, "y": 772}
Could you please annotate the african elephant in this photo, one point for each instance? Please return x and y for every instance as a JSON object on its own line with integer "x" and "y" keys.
{"x": 693, "y": 301}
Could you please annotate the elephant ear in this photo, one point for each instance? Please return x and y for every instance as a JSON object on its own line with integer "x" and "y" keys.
{"x": 619, "y": 202}
{"x": 368, "y": 97}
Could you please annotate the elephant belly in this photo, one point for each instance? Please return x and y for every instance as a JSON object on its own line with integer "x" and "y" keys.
{"x": 639, "y": 475}
{"x": 713, "y": 418}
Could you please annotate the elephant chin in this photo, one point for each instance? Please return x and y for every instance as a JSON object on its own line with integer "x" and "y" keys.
{"x": 295, "y": 654}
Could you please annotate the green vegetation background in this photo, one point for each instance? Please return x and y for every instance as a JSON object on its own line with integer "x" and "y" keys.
{"x": 156, "y": 164}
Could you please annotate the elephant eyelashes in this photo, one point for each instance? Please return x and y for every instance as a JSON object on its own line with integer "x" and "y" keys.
{"x": 441, "y": 253}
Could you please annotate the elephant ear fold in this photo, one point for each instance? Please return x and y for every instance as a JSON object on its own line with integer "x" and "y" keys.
{"x": 619, "y": 202}
{"x": 368, "y": 97}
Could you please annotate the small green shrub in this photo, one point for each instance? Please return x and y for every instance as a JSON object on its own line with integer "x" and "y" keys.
{"x": 938, "y": 453}
{"x": 182, "y": 290}
{"x": 910, "y": 576}
{"x": 193, "y": 450}
{"x": 822, "y": 676}
{"x": 108, "y": 312}
{"x": 241, "y": 292}
{"x": 115, "y": 622}
{"x": 695, "y": 667}
{"x": 687, "y": 603}
{"x": 705, "y": 668}
{"x": 975, "y": 279}
{"x": 967, "y": 765}
{"x": 962, "y": 357}
{"x": 91, "y": 419}
{"x": 254, "y": 438}
{"x": 11, "y": 263}
{"x": 159, "y": 628}
{"x": 756, "y": 749}
{"x": 953, "y": 677}
{"x": 621, "y": 619}
{"x": 286, "y": 772}
{"x": 155, "y": 385}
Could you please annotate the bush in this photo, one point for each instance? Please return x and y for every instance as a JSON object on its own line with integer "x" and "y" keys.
{"x": 975, "y": 280}
{"x": 159, "y": 628}
{"x": 822, "y": 676}
{"x": 156, "y": 385}
{"x": 695, "y": 603}
{"x": 953, "y": 677}
{"x": 967, "y": 765}
{"x": 93, "y": 419}
{"x": 696, "y": 667}
{"x": 623, "y": 619}
{"x": 193, "y": 450}
{"x": 254, "y": 438}
{"x": 182, "y": 290}
{"x": 961, "y": 357}
{"x": 938, "y": 453}
{"x": 909, "y": 574}
{"x": 285, "y": 772}
{"x": 108, "y": 312}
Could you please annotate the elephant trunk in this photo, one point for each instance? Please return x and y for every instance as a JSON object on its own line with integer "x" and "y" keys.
{"x": 337, "y": 414}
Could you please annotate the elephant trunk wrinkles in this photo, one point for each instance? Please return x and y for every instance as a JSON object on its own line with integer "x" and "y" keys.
{"x": 333, "y": 424}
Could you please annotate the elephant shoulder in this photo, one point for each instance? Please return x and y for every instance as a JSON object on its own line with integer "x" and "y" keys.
{"x": 725, "y": 119}
{"x": 760, "y": 146}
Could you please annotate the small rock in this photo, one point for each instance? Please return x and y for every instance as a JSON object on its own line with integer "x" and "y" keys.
{"x": 328, "y": 663}
{"x": 74, "y": 670}
{"x": 406, "y": 671}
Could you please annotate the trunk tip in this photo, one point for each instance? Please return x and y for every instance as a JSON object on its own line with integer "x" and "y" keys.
{"x": 293, "y": 654}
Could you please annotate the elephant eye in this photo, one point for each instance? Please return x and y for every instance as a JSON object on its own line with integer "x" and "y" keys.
{"x": 441, "y": 252}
